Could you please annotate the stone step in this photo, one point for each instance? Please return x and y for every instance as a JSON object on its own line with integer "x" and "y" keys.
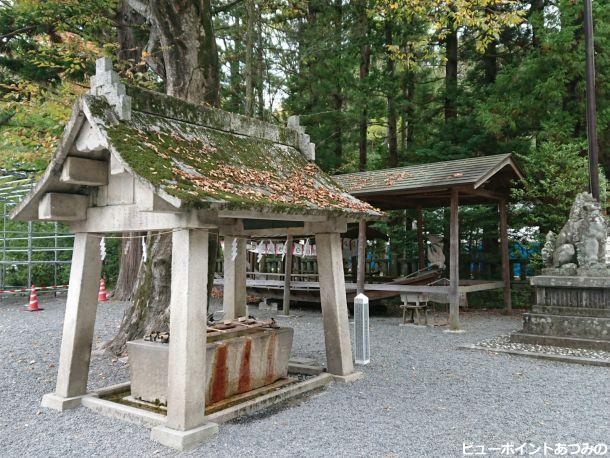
{"x": 585, "y": 327}
{"x": 571, "y": 311}
{"x": 571, "y": 342}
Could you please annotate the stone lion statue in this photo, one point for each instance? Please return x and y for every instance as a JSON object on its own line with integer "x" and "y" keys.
{"x": 582, "y": 240}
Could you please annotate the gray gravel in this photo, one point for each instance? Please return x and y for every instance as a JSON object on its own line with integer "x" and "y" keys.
{"x": 502, "y": 342}
{"x": 421, "y": 396}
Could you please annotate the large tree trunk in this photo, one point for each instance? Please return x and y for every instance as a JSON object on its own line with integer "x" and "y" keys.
{"x": 451, "y": 74}
{"x": 365, "y": 64}
{"x": 391, "y": 98}
{"x": 337, "y": 93}
{"x": 131, "y": 257}
{"x": 149, "y": 310}
{"x": 190, "y": 59}
{"x": 251, "y": 11}
{"x": 130, "y": 25}
{"x": 189, "y": 49}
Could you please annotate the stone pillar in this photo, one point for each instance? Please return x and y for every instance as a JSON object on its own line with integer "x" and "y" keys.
{"x": 334, "y": 305}
{"x": 287, "y": 276}
{"x": 186, "y": 425}
{"x": 234, "y": 286}
{"x": 454, "y": 263}
{"x": 79, "y": 321}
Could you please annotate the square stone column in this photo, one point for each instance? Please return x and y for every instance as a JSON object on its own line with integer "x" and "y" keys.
{"x": 79, "y": 322}
{"x": 186, "y": 425}
{"x": 334, "y": 305}
{"x": 234, "y": 284}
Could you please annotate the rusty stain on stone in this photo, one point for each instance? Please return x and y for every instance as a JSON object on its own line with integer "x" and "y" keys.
{"x": 220, "y": 375}
{"x": 270, "y": 376}
{"x": 244, "y": 368}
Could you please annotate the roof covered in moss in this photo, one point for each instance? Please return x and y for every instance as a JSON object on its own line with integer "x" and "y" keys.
{"x": 202, "y": 158}
{"x": 199, "y": 156}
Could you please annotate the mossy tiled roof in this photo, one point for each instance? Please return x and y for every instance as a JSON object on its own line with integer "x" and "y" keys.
{"x": 199, "y": 156}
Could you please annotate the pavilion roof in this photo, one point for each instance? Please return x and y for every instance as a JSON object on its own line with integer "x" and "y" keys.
{"x": 480, "y": 179}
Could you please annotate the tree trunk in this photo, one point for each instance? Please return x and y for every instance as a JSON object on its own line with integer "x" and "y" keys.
{"x": 235, "y": 79}
{"x": 130, "y": 42}
{"x": 189, "y": 49}
{"x": 131, "y": 257}
{"x": 250, "y": 8}
{"x": 365, "y": 64}
{"x": 260, "y": 66}
{"x": 391, "y": 98}
{"x": 451, "y": 74}
{"x": 337, "y": 93}
{"x": 191, "y": 67}
{"x": 536, "y": 20}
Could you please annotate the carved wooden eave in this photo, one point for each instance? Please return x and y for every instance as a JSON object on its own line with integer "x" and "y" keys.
{"x": 98, "y": 183}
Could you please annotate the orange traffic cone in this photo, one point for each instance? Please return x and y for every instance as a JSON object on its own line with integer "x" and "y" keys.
{"x": 33, "y": 305}
{"x": 101, "y": 296}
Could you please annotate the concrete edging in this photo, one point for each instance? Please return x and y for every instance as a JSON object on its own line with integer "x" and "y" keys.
{"x": 540, "y": 355}
{"x": 146, "y": 418}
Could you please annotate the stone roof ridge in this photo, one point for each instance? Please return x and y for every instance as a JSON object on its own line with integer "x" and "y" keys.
{"x": 305, "y": 145}
{"x": 125, "y": 98}
{"x": 106, "y": 83}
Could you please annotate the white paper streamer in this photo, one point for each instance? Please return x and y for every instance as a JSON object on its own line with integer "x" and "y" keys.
{"x": 103, "y": 248}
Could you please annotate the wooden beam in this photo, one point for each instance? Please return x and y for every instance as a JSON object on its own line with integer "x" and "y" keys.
{"x": 287, "y": 275}
{"x": 85, "y": 172}
{"x": 506, "y": 273}
{"x": 56, "y": 206}
{"x": 487, "y": 194}
{"x": 454, "y": 263}
{"x": 361, "y": 272}
{"x": 420, "y": 238}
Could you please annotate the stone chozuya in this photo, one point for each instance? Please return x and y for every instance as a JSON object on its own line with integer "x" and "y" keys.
{"x": 582, "y": 240}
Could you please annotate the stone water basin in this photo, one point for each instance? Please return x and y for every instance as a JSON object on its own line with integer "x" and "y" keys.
{"x": 238, "y": 360}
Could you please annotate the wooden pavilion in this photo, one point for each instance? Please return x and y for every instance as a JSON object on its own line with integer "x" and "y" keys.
{"x": 134, "y": 160}
{"x": 473, "y": 181}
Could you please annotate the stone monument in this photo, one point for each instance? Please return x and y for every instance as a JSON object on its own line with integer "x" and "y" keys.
{"x": 573, "y": 293}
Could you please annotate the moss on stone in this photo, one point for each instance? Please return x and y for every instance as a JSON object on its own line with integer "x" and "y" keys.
{"x": 202, "y": 166}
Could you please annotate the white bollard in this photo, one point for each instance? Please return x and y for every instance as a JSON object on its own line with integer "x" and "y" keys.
{"x": 362, "y": 347}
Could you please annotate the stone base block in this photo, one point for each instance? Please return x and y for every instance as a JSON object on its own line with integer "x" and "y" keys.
{"x": 600, "y": 271}
{"x": 584, "y": 327}
{"x": 558, "y": 271}
{"x": 571, "y": 342}
{"x": 348, "y": 378}
{"x": 571, "y": 311}
{"x": 56, "y": 402}
{"x": 183, "y": 440}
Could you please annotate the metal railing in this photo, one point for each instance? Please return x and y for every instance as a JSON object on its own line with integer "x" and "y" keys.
{"x": 30, "y": 252}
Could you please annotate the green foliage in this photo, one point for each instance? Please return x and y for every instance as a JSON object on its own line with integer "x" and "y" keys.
{"x": 553, "y": 175}
{"x": 33, "y": 125}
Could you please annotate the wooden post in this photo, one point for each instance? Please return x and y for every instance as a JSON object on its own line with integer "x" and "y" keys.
{"x": 186, "y": 424}
{"x": 454, "y": 263}
{"x": 79, "y": 321}
{"x": 420, "y": 238}
{"x": 361, "y": 271}
{"x": 506, "y": 271}
{"x": 234, "y": 283}
{"x": 287, "y": 275}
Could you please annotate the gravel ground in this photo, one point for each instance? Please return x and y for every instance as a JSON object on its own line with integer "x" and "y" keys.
{"x": 503, "y": 342}
{"x": 421, "y": 396}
